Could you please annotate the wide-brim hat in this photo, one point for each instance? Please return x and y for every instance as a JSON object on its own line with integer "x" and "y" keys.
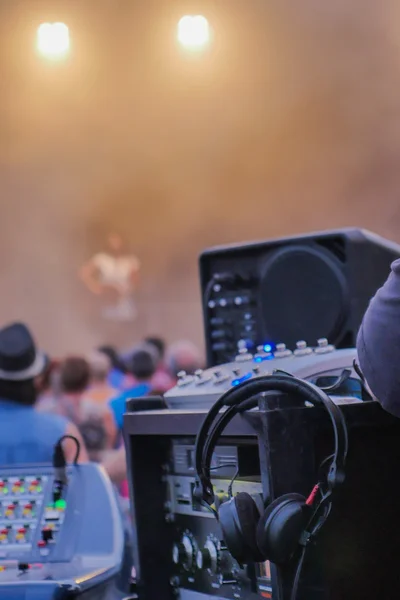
{"x": 19, "y": 358}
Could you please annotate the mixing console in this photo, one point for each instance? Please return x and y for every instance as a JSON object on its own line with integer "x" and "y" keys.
{"x": 73, "y": 540}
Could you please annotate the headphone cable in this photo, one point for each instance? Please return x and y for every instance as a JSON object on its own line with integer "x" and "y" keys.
{"x": 296, "y": 580}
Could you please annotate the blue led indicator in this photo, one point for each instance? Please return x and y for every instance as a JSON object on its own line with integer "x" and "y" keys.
{"x": 241, "y": 379}
{"x": 267, "y": 347}
{"x": 259, "y": 359}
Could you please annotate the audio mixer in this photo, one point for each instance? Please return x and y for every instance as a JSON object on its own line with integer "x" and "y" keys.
{"x": 201, "y": 561}
{"x": 55, "y": 547}
{"x": 321, "y": 365}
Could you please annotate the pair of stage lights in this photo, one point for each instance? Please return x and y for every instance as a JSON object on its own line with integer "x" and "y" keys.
{"x": 53, "y": 39}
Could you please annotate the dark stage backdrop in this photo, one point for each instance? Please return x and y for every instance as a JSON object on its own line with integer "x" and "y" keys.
{"x": 289, "y": 123}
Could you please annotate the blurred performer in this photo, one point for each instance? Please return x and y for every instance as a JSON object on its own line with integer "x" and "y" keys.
{"x": 114, "y": 276}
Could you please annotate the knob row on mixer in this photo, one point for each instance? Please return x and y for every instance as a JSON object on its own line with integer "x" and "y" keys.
{"x": 218, "y": 376}
{"x": 213, "y": 556}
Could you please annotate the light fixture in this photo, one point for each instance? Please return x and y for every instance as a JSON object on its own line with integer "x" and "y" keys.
{"x": 193, "y": 31}
{"x": 53, "y": 40}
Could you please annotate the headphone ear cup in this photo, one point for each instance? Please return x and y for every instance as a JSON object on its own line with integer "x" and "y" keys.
{"x": 238, "y": 519}
{"x": 279, "y": 529}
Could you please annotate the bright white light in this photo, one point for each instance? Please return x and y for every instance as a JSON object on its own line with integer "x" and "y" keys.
{"x": 193, "y": 31}
{"x": 53, "y": 40}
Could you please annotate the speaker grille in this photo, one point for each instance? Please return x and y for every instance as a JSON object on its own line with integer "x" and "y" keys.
{"x": 303, "y": 295}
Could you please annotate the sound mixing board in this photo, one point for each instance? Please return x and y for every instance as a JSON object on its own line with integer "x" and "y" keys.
{"x": 204, "y": 388}
{"x": 50, "y": 547}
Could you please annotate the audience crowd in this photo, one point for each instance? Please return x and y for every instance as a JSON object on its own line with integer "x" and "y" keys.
{"x": 83, "y": 395}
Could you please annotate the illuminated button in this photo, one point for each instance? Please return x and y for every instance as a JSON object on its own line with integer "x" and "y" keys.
{"x": 3, "y": 487}
{"x": 60, "y": 504}
{"x": 27, "y": 510}
{"x": 10, "y": 511}
{"x": 22, "y": 530}
{"x": 42, "y": 543}
{"x": 20, "y": 537}
{"x": 2, "y": 568}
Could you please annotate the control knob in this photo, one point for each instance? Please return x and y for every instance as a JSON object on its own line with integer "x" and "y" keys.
{"x": 184, "y": 552}
{"x": 214, "y": 557}
{"x": 302, "y": 349}
{"x": 323, "y": 346}
{"x": 282, "y": 351}
{"x": 244, "y": 354}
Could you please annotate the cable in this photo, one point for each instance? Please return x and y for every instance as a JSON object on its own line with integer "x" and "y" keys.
{"x": 60, "y": 466}
{"x": 58, "y": 449}
{"x": 296, "y": 579}
{"x": 230, "y": 486}
{"x": 222, "y": 466}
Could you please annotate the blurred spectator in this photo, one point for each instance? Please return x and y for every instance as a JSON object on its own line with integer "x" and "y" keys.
{"x": 141, "y": 365}
{"x": 100, "y": 391}
{"x": 161, "y": 380}
{"x": 27, "y": 435}
{"x": 183, "y": 356}
{"x": 48, "y": 387}
{"x": 159, "y": 344}
{"x": 116, "y": 376}
{"x": 94, "y": 420}
{"x": 115, "y": 465}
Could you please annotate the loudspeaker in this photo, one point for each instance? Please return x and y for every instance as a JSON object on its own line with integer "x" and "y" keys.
{"x": 285, "y": 290}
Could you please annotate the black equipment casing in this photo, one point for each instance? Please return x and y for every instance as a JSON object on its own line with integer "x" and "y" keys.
{"x": 297, "y": 288}
{"x": 356, "y": 553}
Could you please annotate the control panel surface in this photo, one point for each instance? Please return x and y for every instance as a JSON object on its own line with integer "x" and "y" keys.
{"x": 68, "y": 538}
{"x": 203, "y": 388}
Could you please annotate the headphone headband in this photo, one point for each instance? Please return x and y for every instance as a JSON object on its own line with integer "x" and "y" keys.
{"x": 235, "y": 399}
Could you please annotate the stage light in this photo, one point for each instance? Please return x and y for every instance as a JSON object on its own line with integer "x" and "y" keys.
{"x": 53, "y": 40}
{"x": 193, "y": 31}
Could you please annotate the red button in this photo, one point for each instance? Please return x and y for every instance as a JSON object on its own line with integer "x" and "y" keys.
{"x": 22, "y": 530}
{"x": 28, "y": 506}
{"x": 4, "y": 531}
{"x": 11, "y": 507}
{"x": 18, "y": 483}
{"x": 42, "y": 543}
{"x": 2, "y": 484}
{"x": 35, "y": 482}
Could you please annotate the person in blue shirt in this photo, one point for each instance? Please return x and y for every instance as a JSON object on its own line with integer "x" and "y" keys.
{"x": 27, "y": 435}
{"x": 141, "y": 365}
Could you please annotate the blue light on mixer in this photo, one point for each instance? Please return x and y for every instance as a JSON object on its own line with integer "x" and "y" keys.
{"x": 241, "y": 379}
{"x": 267, "y": 347}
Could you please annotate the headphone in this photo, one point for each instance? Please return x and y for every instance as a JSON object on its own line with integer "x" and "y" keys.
{"x": 253, "y": 532}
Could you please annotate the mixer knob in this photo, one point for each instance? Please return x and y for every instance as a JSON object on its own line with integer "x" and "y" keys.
{"x": 236, "y": 372}
{"x": 244, "y": 354}
{"x": 198, "y": 373}
{"x": 282, "y": 351}
{"x": 302, "y": 349}
{"x": 183, "y": 553}
{"x": 215, "y": 558}
{"x": 260, "y": 349}
{"x": 323, "y": 346}
{"x": 181, "y": 374}
{"x": 208, "y": 557}
{"x": 217, "y": 374}
{"x": 256, "y": 370}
